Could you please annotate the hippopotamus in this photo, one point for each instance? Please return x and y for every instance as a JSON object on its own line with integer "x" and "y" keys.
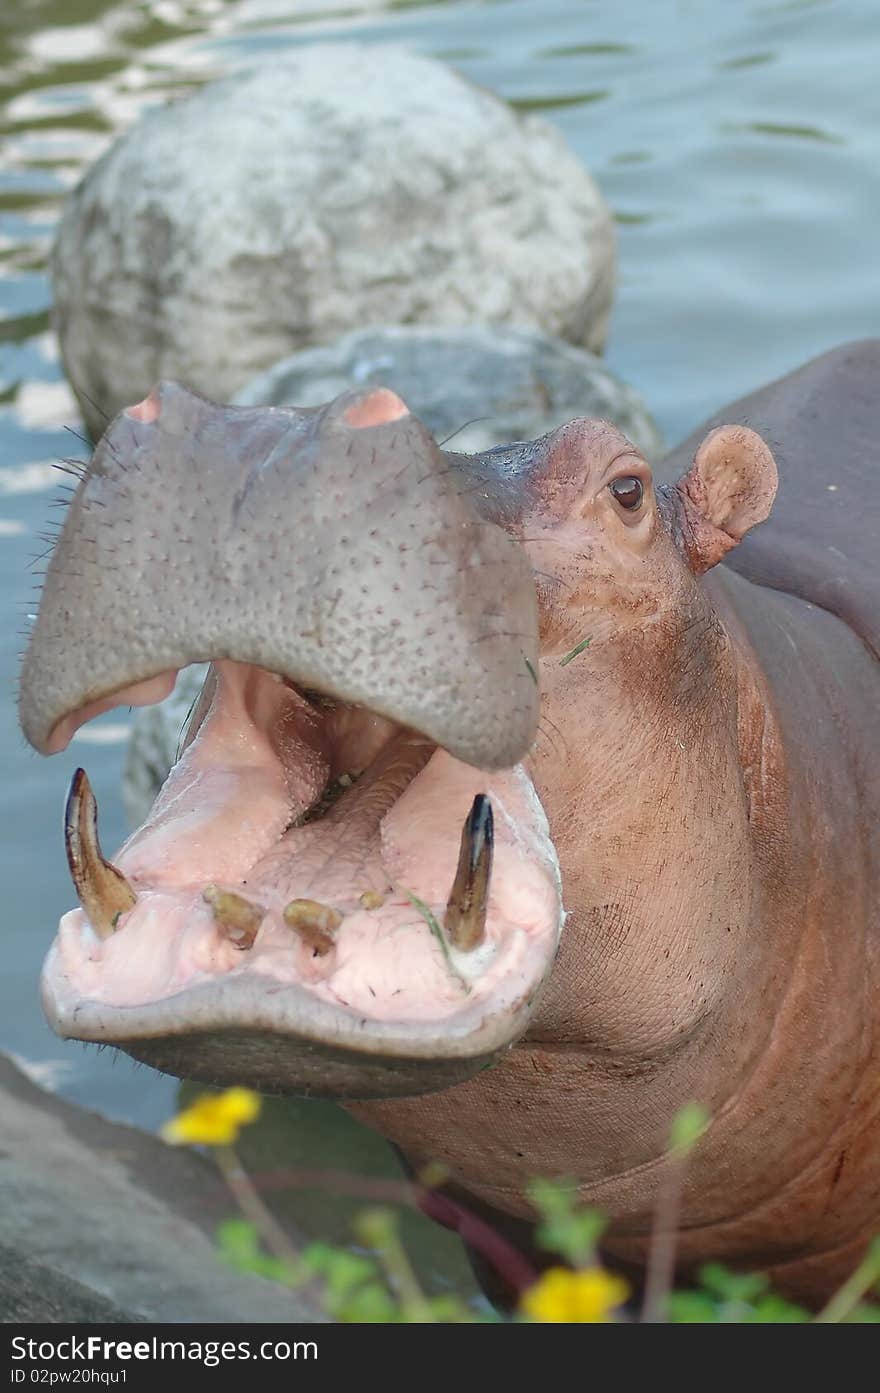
{"x": 528, "y": 798}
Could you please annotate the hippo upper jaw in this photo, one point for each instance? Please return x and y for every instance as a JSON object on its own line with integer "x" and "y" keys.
{"x": 335, "y": 545}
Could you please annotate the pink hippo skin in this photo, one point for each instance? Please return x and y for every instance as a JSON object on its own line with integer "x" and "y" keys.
{"x": 400, "y": 792}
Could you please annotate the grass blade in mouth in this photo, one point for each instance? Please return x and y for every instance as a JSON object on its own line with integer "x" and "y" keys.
{"x": 578, "y": 648}
{"x": 438, "y": 933}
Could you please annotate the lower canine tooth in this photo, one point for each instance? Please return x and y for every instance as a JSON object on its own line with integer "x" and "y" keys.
{"x": 315, "y": 923}
{"x": 103, "y": 891}
{"x": 237, "y": 917}
{"x": 465, "y": 918}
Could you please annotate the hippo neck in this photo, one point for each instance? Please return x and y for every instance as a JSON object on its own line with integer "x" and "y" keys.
{"x": 650, "y": 821}
{"x": 766, "y": 1038}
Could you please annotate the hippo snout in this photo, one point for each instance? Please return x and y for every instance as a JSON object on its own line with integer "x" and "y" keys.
{"x": 333, "y": 546}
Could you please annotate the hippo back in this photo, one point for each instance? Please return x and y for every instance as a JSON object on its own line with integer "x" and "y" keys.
{"x": 822, "y": 539}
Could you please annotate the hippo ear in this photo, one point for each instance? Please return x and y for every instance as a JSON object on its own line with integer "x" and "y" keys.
{"x": 729, "y": 488}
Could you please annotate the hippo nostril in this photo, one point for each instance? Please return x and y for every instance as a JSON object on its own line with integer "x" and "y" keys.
{"x": 146, "y": 410}
{"x": 379, "y": 408}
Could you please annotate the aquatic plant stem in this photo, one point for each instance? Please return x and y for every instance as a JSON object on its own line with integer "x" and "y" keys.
{"x": 252, "y": 1207}
{"x": 688, "y": 1126}
{"x": 378, "y": 1229}
{"x": 848, "y": 1296}
{"x": 664, "y": 1234}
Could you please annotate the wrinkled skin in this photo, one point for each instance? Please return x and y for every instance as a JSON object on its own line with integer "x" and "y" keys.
{"x": 710, "y": 772}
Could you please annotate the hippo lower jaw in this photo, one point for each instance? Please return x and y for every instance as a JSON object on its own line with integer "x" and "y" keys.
{"x": 303, "y": 912}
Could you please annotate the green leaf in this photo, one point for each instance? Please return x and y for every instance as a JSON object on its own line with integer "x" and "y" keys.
{"x": 731, "y": 1286}
{"x": 375, "y": 1227}
{"x": 552, "y": 1197}
{"x": 342, "y": 1271}
{"x": 240, "y": 1247}
{"x": 578, "y": 648}
{"x": 451, "y": 1310}
{"x": 775, "y": 1310}
{"x": 238, "y": 1241}
{"x": 688, "y": 1125}
{"x": 369, "y": 1304}
{"x": 566, "y": 1227}
{"x": 692, "y": 1308}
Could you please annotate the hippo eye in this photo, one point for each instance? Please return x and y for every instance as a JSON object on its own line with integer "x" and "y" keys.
{"x": 629, "y": 491}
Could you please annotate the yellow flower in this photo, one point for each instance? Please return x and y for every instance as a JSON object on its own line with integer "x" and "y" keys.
{"x": 560, "y": 1295}
{"x": 214, "y": 1119}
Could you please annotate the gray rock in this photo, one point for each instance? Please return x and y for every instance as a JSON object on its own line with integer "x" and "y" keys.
{"x": 343, "y": 186}
{"x": 119, "y": 1224}
{"x": 499, "y": 383}
{"x": 31, "y": 1293}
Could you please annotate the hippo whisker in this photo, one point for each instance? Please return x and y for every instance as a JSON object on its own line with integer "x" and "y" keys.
{"x": 74, "y": 467}
{"x": 474, "y": 421}
{"x": 84, "y": 439}
{"x": 546, "y": 721}
{"x": 105, "y": 415}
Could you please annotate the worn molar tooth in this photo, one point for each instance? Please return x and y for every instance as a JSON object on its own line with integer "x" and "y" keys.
{"x": 238, "y": 918}
{"x": 371, "y": 899}
{"x": 465, "y": 918}
{"x": 315, "y": 923}
{"x": 103, "y": 891}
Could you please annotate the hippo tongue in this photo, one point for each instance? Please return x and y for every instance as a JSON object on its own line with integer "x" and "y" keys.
{"x": 334, "y": 546}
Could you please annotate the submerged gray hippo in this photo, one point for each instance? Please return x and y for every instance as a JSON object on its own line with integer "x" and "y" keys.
{"x": 496, "y": 765}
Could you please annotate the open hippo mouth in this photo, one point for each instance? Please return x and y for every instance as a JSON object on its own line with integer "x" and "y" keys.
{"x": 346, "y": 884}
